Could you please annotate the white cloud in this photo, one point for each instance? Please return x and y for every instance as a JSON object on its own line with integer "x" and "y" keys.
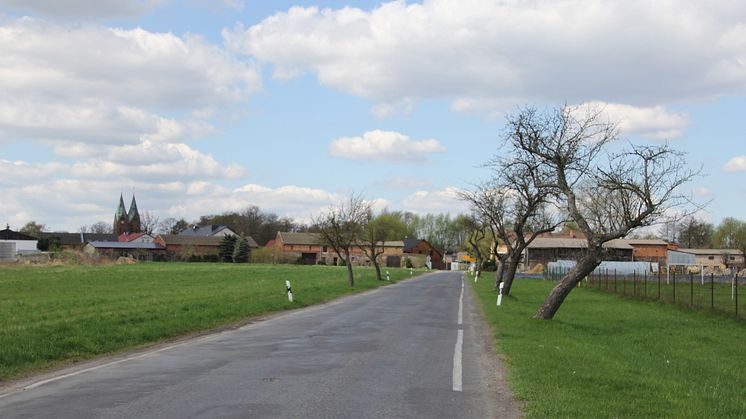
{"x": 653, "y": 122}
{"x": 84, "y": 8}
{"x": 444, "y": 200}
{"x": 477, "y": 52}
{"x": 736, "y": 164}
{"x": 384, "y": 146}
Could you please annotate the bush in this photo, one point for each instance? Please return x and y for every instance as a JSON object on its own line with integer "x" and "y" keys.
{"x": 408, "y": 263}
{"x": 489, "y": 266}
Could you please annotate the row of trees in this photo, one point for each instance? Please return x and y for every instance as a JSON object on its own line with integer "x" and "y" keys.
{"x": 563, "y": 166}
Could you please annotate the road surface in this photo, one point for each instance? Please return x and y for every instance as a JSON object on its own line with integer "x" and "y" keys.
{"x": 417, "y": 349}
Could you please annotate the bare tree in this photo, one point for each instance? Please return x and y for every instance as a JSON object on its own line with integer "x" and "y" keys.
{"x": 149, "y": 223}
{"x": 101, "y": 228}
{"x": 606, "y": 195}
{"x": 341, "y": 228}
{"x": 514, "y": 206}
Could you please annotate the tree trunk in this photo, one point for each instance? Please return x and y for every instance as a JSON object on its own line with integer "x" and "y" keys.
{"x": 378, "y": 269}
{"x": 554, "y": 300}
{"x": 509, "y": 276}
{"x": 499, "y": 274}
{"x": 348, "y": 262}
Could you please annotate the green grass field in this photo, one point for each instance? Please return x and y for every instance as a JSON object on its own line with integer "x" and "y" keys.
{"x": 58, "y": 314}
{"x": 608, "y": 356}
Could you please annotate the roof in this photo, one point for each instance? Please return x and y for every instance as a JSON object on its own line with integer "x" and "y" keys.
{"x": 309, "y": 239}
{"x": 410, "y": 244}
{"x": 128, "y": 237}
{"x": 711, "y": 251}
{"x": 125, "y": 245}
{"x": 567, "y": 243}
{"x": 392, "y": 243}
{"x": 9, "y": 234}
{"x": 73, "y": 239}
{"x": 191, "y": 240}
{"x": 207, "y": 230}
{"x": 646, "y": 242}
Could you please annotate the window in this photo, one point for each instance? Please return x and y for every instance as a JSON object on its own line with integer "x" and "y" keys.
{"x": 732, "y": 258}
{"x": 711, "y": 257}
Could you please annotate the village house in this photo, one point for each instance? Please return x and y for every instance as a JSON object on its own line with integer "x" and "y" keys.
{"x": 307, "y": 248}
{"x": 716, "y": 260}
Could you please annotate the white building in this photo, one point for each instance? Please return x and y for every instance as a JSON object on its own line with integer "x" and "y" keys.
{"x": 23, "y": 242}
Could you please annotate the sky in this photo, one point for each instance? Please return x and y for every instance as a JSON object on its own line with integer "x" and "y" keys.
{"x": 201, "y": 107}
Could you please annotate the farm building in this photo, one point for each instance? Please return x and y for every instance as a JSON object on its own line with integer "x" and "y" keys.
{"x": 18, "y": 243}
{"x": 135, "y": 250}
{"x": 193, "y": 247}
{"x": 308, "y": 249}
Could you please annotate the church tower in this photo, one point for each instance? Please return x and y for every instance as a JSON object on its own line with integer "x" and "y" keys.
{"x": 127, "y": 221}
{"x": 121, "y": 224}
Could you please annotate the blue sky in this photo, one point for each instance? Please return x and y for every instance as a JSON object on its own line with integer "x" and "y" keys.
{"x": 201, "y": 107}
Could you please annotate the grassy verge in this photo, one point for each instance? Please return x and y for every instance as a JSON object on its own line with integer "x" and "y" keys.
{"x": 59, "y": 314}
{"x": 606, "y": 356}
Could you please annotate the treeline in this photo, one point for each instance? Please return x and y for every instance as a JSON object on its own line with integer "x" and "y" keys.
{"x": 443, "y": 231}
{"x": 695, "y": 233}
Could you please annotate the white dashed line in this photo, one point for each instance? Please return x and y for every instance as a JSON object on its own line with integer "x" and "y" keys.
{"x": 457, "y": 369}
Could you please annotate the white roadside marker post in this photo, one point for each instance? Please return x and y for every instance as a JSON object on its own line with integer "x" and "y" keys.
{"x": 290, "y": 291}
{"x": 500, "y": 295}
{"x": 476, "y": 277}
{"x": 411, "y": 272}
{"x": 388, "y": 276}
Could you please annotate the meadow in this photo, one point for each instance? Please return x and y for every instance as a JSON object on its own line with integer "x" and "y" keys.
{"x": 55, "y": 315}
{"x": 604, "y": 355}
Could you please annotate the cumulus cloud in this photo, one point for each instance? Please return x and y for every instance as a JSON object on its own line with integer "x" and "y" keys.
{"x": 736, "y": 164}
{"x": 478, "y": 52}
{"x": 443, "y": 200}
{"x": 98, "y": 96}
{"x": 384, "y": 146}
{"x": 654, "y": 122}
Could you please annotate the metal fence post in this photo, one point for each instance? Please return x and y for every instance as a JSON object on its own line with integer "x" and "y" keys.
{"x": 735, "y": 281}
{"x": 646, "y": 284}
{"x": 673, "y": 278}
{"x": 634, "y": 283}
{"x": 659, "y": 283}
{"x": 691, "y": 289}
{"x": 712, "y": 291}
{"x": 614, "y": 280}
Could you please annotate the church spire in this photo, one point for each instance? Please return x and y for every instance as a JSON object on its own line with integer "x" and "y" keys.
{"x": 133, "y": 217}
{"x": 121, "y": 224}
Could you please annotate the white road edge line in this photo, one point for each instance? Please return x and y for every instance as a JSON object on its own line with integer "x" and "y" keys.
{"x": 457, "y": 368}
{"x": 461, "y": 305}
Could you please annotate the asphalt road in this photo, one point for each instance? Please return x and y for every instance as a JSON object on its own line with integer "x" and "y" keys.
{"x": 396, "y": 352}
